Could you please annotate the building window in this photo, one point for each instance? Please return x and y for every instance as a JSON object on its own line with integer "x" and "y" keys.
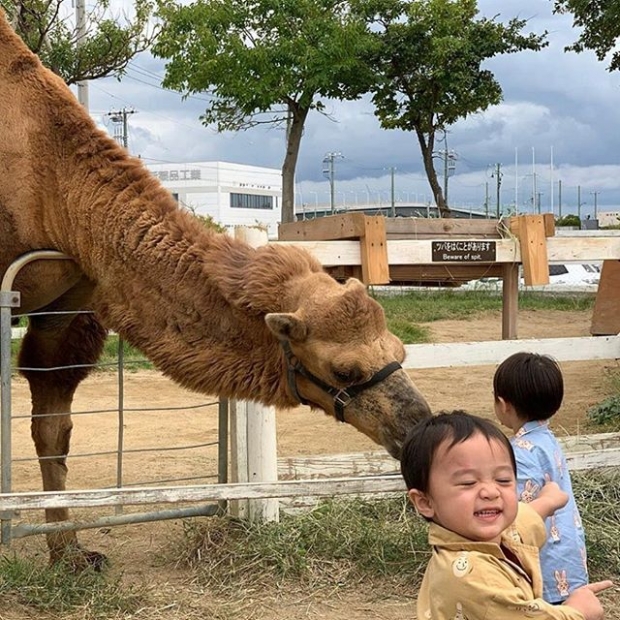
{"x": 251, "y": 201}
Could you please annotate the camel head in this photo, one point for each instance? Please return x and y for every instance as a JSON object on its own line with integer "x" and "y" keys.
{"x": 342, "y": 359}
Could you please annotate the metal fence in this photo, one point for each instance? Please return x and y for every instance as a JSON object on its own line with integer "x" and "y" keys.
{"x": 213, "y": 450}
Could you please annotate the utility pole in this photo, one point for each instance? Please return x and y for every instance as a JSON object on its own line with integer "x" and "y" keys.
{"x": 595, "y": 194}
{"x": 498, "y": 179}
{"x": 486, "y": 199}
{"x": 80, "y": 21}
{"x": 579, "y": 202}
{"x": 328, "y": 171}
{"x": 119, "y": 118}
{"x": 538, "y": 201}
{"x": 449, "y": 165}
{"x": 393, "y": 209}
{"x": 560, "y": 198}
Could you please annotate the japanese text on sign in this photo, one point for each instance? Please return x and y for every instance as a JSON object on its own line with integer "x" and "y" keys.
{"x": 462, "y": 251}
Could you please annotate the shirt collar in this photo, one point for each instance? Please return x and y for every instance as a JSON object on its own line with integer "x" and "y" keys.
{"x": 532, "y": 426}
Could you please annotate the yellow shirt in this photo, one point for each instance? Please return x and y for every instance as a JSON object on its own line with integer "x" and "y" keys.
{"x": 467, "y": 580}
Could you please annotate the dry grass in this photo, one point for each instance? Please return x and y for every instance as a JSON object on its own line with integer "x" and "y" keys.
{"x": 345, "y": 560}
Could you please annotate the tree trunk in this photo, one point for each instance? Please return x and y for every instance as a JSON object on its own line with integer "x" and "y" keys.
{"x": 297, "y": 119}
{"x": 427, "y": 157}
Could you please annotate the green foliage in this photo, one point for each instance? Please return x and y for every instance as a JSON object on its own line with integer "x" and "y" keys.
{"x": 59, "y": 591}
{"x": 598, "y": 25}
{"x": 568, "y": 220}
{"x": 429, "y": 65}
{"x": 132, "y": 358}
{"x": 265, "y": 61}
{"x": 105, "y": 49}
{"x": 208, "y": 222}
{"x": 607, "y": 412}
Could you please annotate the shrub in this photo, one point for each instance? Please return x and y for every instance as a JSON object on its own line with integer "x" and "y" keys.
{"x": 606, "y": 413}
{"x": 568, "y": 220}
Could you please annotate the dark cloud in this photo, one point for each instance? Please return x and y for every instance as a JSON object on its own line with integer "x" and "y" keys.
{"x": 558, "y": 107}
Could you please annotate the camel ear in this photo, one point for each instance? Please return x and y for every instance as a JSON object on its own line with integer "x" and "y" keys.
{"x": 354, "y": 283}
{"x": 287, "y": 326}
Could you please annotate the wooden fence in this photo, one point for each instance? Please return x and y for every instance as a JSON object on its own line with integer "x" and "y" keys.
{"x": 375, "y": 472}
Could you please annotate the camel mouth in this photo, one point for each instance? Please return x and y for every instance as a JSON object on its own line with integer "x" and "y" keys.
{"x": 394, "y": 451}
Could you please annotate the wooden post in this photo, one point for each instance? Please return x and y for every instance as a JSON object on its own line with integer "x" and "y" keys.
{"x": 370, "y": 230}
{"x": 510, "y": 300}
{"x": 253, "y": 433}
{"x": 262, "y": 458}
{"x": 606, "y": 313}
{"x": 373, "y": 251}
{"x": 532, "y": 232}
{"x": 238, "y": 416}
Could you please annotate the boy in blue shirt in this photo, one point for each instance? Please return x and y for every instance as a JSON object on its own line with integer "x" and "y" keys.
{"x": 528, "y": 390}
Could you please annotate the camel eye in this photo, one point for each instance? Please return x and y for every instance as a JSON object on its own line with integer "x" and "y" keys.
{"x": 342, "y": 376}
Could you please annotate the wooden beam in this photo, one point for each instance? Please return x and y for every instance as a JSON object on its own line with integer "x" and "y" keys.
{"x": 421, "y": 228}
{"x": 606, "y": 313}
{"x": 443, "y": 354}
{"x": 331, "y": 227}
{"x": 562, "y": 249}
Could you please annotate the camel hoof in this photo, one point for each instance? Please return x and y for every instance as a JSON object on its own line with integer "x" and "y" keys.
{"x": 80, "y": 560}
{"x": 95, "y": 560}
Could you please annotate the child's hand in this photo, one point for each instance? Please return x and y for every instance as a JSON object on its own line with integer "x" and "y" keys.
{"x": 550, "y": 498}
{"x": 584, "y": 600}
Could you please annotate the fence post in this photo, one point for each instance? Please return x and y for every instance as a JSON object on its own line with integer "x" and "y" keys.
{"x": 253, "y": 433}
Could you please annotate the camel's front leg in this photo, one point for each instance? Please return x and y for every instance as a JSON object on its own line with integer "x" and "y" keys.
{"x": 55, "y": 343}
{"x": 51, "y": 432}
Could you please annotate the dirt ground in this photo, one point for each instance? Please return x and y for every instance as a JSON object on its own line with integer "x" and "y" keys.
{"x": 137, "y": 549}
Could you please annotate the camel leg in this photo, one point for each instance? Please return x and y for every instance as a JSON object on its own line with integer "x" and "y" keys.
{"x": 58, "y": 341}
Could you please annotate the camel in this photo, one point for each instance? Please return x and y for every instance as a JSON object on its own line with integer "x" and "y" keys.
{"x": 210, "y": 312}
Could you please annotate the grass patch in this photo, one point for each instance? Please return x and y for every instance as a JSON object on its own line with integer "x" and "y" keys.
{"x": 404, "y": 312}
{"x": 59, "y": 591}
{"x": 597, "y": 493}
{"x": 343, "y": 543}
{"x": 338, "y": 544}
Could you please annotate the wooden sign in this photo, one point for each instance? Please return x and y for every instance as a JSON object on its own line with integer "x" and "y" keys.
{"x": 463, "y": 251}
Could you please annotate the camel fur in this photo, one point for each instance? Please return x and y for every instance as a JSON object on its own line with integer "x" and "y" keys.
{"x": 209, "y": 311}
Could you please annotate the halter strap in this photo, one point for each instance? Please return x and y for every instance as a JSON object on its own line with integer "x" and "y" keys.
{"x": 342, "y": 396}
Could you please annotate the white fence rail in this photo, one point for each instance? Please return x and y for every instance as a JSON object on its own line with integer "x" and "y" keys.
{"x": 582, "y": 452}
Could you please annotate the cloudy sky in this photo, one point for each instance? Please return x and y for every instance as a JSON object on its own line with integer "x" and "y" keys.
{"x": 558, "y": 124}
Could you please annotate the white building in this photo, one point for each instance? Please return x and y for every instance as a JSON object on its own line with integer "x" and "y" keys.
{"x": 232, "y": 194}
{"x": 608, "y": 218}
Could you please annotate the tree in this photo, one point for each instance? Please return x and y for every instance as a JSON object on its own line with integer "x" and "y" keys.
{"x": 265, "y": 62}
{"x": 104, "y": 48}
{"x": 600, "y": 23}
{"x": 429, "y": 66}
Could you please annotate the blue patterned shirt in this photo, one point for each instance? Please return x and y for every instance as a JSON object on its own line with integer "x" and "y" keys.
{"x": 563, "y": 557}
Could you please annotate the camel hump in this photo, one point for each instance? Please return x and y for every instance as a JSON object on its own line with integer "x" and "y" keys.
{"x": 23, "y": 64}
{"x": 14, "y": 53}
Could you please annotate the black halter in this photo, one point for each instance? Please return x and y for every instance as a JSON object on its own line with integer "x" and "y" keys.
{"x": 342, "y": 396}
